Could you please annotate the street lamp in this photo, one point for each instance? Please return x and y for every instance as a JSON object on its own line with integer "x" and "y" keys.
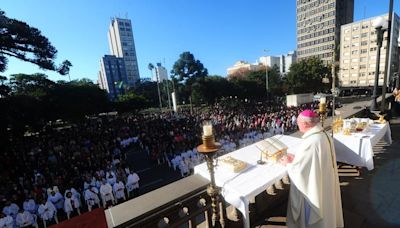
{"x": 266, "y": 73}
{"x": 380, "y": 25}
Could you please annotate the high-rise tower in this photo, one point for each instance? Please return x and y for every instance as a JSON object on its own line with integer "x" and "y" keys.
{"x": 318, "y": 26}
{"x": 122, "y": 44}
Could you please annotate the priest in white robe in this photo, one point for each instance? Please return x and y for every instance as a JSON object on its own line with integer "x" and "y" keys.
{"x": 57, "y": 199}
{"x": 111, "y": 178}
{"x": 11, "y": 209}
{"x": 71, "y": 204}
{"x": 25, "y": 219}
{"x": 314, "y": 198}
{"x": 6, "y": 221}
{"x": 91, "y": 197}
{"x": 30, "y": 205}
{"x": 106, "y": 193}
{"x": 132, "y": 183}
{"x": 47, "y": 211}
{"x": 119, "y": 191}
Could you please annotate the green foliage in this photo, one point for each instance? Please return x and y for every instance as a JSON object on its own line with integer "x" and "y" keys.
{"x": 131, "y": 102}
{"x": 306, "y": 76}
{"x": 33, "y": 85}
{"x": 26, "y": 43}
{"x": 148, "y": 90}
{"x": 187, "y": 69}
{"x": 252, "y": 84}
{"x": 34, "y": 100}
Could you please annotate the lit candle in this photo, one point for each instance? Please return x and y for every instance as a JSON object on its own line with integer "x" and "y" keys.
{"x": 322, "y": 100}
{"x": 207, "y": 130}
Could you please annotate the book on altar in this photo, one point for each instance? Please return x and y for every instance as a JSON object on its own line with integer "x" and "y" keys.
{"x": 232, "y": 164}
{"x": 272, "y": 148}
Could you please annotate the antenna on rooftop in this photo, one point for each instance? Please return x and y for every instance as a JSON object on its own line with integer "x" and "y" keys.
{"x": 126, "y": 15}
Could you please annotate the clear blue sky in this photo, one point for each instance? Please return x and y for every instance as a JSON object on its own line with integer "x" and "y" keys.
{"x": 218, "y": 33}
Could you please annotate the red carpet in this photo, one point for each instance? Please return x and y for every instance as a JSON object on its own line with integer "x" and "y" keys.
{"x": 95, "y": 218}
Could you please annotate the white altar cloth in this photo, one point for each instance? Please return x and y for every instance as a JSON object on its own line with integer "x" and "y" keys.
{"x": 356, "y": 149}
{"x": 239, "y": 188}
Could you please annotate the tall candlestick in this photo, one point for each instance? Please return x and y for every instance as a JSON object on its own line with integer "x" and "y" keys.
{"x": 207, "y": 130}
{"x": 322, "y": 100}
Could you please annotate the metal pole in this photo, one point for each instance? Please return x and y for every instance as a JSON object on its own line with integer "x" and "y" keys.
{"x": 388, "y": 48}
{"x": 374, "y": 104}
{"x": 266, "y": 78}
{"x": 158, "y": 89}
{"x": 266, "y": 75}
{"x": 333, "y": 83}
{"x": 169, "y": 95}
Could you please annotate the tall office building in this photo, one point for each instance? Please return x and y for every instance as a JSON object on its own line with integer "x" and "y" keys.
{"x": 286, "y": 61}
{"x": 358, "y": 50}
{"x": 318, "y": 26}
{"x": 112, "y": 75}
{"x": 122, "y": 44}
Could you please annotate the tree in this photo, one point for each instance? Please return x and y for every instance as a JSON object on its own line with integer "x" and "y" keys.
{"x": 306, "y": 76}
{"x": 188, "y": 70}
{"x": 4, "y": 89}
{"x": 26, "y": 43}
{"x": 149, "y": 91}
{"x": 131, "y": 102}
{"x": 33, "y": 85}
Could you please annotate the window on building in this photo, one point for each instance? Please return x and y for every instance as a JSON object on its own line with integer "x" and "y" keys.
{"x": 363, "y": 51}
{"x": 365, "y": 34}
{"x": 364, "y": 26}
{"x": 363, "y": 59}
{"x": 354, "y": 52}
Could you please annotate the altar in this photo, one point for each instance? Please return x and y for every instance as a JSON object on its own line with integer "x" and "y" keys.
{"x": 357, "y": 148}
{"x": 239, "y": 189}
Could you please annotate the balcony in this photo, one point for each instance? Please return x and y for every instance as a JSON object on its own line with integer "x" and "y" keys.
{"x": 185, "y": 203}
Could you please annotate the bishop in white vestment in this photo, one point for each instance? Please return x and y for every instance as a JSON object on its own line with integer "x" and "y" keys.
{"x": 314, "y": 198}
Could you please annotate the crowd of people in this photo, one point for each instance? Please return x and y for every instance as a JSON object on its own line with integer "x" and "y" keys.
{"x": 61, "y": 172}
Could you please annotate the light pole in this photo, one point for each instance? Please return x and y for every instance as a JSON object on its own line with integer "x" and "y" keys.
{"x": 387, "y": 56}
{"x": 266, "y": 74}
{"x": 379, "y": 24}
